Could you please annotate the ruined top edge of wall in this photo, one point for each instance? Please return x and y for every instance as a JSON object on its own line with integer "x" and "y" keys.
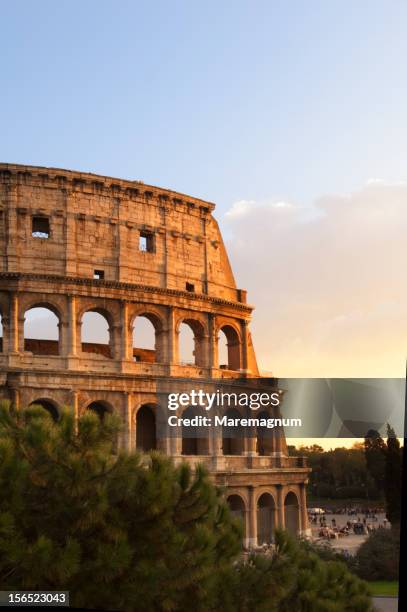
{"x": 60, "y": 178}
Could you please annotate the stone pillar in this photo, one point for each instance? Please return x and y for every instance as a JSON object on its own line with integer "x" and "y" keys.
{"x": 303, "y": 508}
{"x": 72, "y": 327}
{"x": 125, "y": 337}
{"x": 63, "y": 338}
{"x": 244, "y": 348}
{"x": 280, "y": 506}
{"x": 115, "y": 340}
{"x": 172, "y": 339}
{"x": 175, "y": 440}
{"x": 252, "y": 531}
{"x": 212, "y": 342}
{"x": 202, "y": 353}
{"x": 5, "y": 321}
{"x": 251, "y": 444}
{"x": 14, "y": 344}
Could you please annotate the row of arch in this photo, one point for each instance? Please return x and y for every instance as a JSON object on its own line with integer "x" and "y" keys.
{"x": 267, "y": 514}
{"x": 194, "y": 440}
{"x": 42, "y": 336}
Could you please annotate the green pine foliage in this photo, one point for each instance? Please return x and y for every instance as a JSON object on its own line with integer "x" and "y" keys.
{"x": 393, "y": 472}
{"x": 134, "y": 532}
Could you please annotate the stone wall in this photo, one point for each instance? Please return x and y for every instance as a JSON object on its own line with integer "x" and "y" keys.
{"x": 77, "y": 243}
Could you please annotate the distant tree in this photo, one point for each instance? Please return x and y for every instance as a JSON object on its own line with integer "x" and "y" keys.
{"x": 375, "y": 453}
{"x": 393, "y": 477}
{"x": 378, "y": 557}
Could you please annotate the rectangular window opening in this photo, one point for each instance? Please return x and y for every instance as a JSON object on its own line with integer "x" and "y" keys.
{"x": 146, "y": 242}
{"x": 99, "y": 274}
{"x": 40, "y": 227}
{"x": 190, "y": 287}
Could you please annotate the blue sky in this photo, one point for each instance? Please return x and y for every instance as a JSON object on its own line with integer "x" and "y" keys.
{"x": 226, "y": 100}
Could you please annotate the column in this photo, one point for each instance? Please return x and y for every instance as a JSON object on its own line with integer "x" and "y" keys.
{"x": 175, "y": 440}
{"x": 14, "y": 345}
{"x": 243, "y": 357}
{"x": 125, "y": 335}
{"x": 280, "y": 506}
{"x": 212, "y": 342}
{"x": 172, "y": 339}
{"x": 72, "y": 327}
{"x": 250, "y": 445}
{"x": 252, "y": 534}
{"x": 303, "y": 508}
{"x": 5, "y": 321}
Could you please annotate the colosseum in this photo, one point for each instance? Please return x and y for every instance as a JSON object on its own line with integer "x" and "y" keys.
{"x": 79, "y": 244}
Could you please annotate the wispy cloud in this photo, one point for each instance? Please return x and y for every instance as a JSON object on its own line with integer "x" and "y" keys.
{"x": 327, "y": 280}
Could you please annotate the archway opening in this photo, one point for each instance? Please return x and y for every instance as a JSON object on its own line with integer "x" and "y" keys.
{"x": 95, "y": 334}
{"x": 228, "y": 348}
{"x": 144, "y": 339}
{"x": 237, "y": 509}
{"x": 191, "y": 343}
{"x": 100, "y": 409}
{"x": 265, "y": 436}
{"x": 232, "y": 435}
{"x": 266, "y": 509}
{"x": 195, "y": 438}
{"x": 41, "y": 331}
{"x": 146, "y": 437}
{"x": 292, "y": 513}
{"x": 47, "y": 405}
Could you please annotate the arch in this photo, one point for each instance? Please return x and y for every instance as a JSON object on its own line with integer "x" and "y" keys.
{"x": 229, "y": 347}
{"x": 41, "y": 329}
{"x": 146, "y": 437}
{"x": 237, "y": 508}
{"x": 100, "y": 408}
{"x": 265, "y": 436}
{"x": 232, "y": 437}
{"x": 191, "y": 342}
{"x": 292, "y": 513}
{"x": 146, "y": 334}
{"x": 266, "y": 519}
{"x": 195, "y": 439}
{"x": 96, "y": 332}
{"x": 49, "y": 405}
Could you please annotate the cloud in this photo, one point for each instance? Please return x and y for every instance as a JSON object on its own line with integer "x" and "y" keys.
{"x": 327, "y": 281}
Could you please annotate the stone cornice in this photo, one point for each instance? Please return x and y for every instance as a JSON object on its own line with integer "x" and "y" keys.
{"x": 60, "y": 178}
{"x": 90, "y": 282}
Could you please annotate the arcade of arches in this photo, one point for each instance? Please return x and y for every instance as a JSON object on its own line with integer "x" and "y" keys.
{"x": 262, "y": 511}
{"x": 70, "y": 327}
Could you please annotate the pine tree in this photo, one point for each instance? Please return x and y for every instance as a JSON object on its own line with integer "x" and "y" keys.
{"x": 393, "y": 477}
{"x": 117, "y": 530}
{"x": 134, "y": 532}
{"x": 375, "y": 453}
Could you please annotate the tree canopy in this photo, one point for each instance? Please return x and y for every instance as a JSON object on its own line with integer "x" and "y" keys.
{"x": 134, "y": 532}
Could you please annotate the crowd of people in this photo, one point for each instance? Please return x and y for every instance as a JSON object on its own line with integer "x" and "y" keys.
{"x": 356, "y": 510}
{"x": 366, "y": 520}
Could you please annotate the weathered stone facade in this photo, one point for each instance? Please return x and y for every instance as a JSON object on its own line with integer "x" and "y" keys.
{"x": 74, "y": 243}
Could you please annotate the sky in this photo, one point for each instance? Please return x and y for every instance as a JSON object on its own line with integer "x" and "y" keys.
{"x": 290, "y": 116}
